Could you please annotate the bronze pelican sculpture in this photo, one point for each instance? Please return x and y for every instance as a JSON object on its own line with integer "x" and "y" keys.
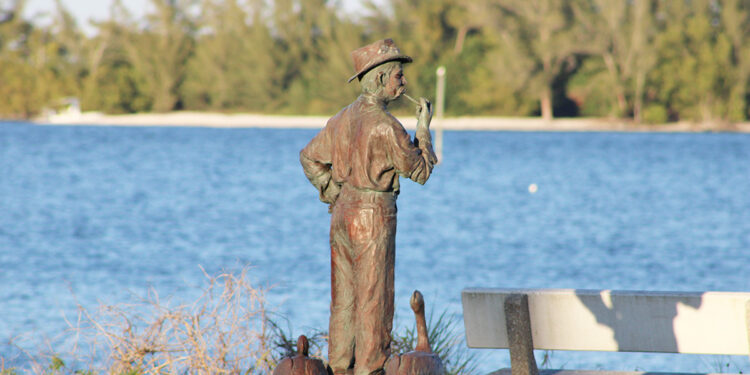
{"x": 301, "y": 364}
{"x": 421, "y": 360}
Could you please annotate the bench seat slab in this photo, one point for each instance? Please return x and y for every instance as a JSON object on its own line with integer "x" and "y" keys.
{"x": 507, "y": 371}
{"x": 604, "y": 320}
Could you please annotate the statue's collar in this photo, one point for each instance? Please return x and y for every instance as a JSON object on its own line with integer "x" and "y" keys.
{"x": 372, "y": 99}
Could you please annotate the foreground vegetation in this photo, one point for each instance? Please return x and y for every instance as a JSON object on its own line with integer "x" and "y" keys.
{"x": 648, "y": 60}
{"x": 228, "y": 330}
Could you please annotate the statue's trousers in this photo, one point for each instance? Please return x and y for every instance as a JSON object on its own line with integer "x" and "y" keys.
{"x": 363, "y": 231}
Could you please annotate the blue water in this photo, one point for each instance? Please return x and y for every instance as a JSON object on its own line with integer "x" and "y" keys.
{"x": 95, "y": 215}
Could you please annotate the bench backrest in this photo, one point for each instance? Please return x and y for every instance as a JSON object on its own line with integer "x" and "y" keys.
{"x": 603, "y": 320}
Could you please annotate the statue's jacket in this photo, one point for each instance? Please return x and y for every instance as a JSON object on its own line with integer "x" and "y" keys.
{"x": 367, "y": 148}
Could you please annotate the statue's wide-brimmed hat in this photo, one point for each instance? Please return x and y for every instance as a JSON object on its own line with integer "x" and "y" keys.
{"x": 374, "y": 54}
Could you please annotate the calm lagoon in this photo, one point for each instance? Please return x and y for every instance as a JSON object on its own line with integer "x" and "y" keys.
{"x": 94, "y": 214}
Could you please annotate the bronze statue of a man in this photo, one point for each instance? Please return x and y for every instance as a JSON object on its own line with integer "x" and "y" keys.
{"x": 354, "y": 162}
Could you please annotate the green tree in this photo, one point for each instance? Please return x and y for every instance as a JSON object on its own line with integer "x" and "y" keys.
{"x": 536, "y": 41}
{"x": 160, "y": 51}
{"x": 38, "y": 66}
{"x": 14, "y": 72}
{"x": 62, "y": 47}
{"x": 233, "y": 66}
{"x": 497, "y": 82}
{"x": 735, "y": 18}
{"x": 620, "y": 44}
{"x": 16, "y": 87}
{"x": 313, "y": 45}
{"x": 112, "y": 84}
{"x": 682, "y": 59}
{"x": 10, "y": 22}
{"x": 694, "y": 64}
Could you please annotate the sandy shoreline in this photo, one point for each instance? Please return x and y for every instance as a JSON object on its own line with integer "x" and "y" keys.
{"x": 219, "y": 120}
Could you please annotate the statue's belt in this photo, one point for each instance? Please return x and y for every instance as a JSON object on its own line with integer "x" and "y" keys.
{"x": 352, "y": 195}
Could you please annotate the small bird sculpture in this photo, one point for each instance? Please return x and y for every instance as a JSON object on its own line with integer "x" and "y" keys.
{"x": 301, "y": 364}
{"x": 420, "y": 361}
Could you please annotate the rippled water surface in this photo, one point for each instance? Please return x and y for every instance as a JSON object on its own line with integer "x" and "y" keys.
{"x": 95, "y": 215}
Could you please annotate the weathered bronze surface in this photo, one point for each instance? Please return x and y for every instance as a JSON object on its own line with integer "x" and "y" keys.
{"x": 420, "y": 361}
{"x": 301, "y": 364}
{"x": 355, "y": 163}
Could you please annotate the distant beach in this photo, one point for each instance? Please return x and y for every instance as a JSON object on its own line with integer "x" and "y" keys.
{"x": 243, "y": 120}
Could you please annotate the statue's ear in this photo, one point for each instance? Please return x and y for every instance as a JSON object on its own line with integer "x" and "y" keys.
{"x": 382, "y": 78}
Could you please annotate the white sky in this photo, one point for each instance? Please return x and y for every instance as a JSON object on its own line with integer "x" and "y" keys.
{"x": 98, "y": 10}
{"x": 83, "y": 10}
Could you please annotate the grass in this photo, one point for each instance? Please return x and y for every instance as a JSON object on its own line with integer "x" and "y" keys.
{"x": 446, "y": 339}
{"x": 227, "y": 330}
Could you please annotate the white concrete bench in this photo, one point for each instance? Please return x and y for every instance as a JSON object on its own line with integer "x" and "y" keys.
{"x": 592, "y": 320}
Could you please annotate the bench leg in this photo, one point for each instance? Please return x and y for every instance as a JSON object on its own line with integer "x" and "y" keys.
{"x": 518, "y": 324}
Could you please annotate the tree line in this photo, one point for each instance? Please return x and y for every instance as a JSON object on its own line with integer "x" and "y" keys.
{"x": 641, "y": 60}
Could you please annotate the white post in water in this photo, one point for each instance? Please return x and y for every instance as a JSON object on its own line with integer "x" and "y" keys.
{"x": 439, "y": 112}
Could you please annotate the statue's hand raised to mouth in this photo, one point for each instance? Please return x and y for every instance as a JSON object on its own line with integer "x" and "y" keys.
{"x": 424, "y": 113}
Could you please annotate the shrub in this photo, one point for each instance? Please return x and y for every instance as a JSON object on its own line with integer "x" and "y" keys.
{"x": 655, "y": 114}
{"x": 228, "y": 330}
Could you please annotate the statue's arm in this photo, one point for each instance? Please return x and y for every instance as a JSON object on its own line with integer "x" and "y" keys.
{"x": 411, "y": 159}
{"x": 423, "y": 138}
{"x": 423, "y": 141}
{"x": 316, "y": 163}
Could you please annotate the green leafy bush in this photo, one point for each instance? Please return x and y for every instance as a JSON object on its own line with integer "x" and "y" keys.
{"x": 655, "y": 114}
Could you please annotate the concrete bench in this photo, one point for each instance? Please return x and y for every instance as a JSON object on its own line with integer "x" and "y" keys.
{"x": 601, "y": 320}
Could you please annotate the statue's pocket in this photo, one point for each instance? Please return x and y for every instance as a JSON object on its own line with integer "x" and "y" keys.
{"x": 362, "y": 226}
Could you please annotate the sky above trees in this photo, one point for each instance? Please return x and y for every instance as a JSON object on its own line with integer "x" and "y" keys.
{"x": 85, "y": 10}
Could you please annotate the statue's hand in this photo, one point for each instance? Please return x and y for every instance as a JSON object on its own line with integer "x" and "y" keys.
{"x": 424, "y": 112}
{"x": 331, "y": 192}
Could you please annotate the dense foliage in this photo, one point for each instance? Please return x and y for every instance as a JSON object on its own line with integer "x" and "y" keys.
{"x": 646, "y": 60}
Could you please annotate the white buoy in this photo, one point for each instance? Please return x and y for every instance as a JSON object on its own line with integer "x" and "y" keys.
{"x": 533, "y": 188}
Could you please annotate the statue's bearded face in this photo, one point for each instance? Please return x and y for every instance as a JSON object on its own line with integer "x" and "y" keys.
{"x": 395, "y": 84}
{"x": 385, "y": 81}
